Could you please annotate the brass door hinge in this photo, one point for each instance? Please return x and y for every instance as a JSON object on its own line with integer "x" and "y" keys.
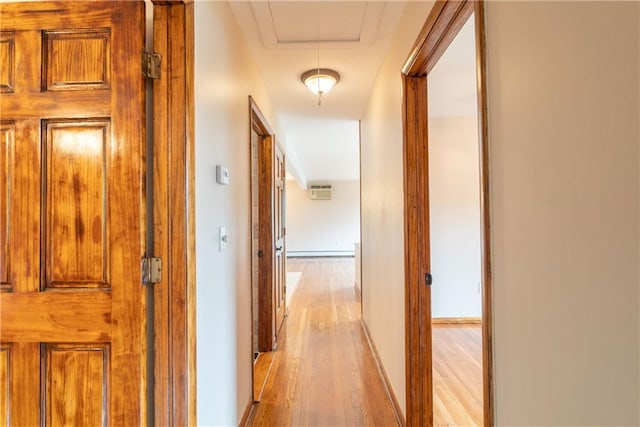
{"x": 151, "y": 270}
{"x": 151, "y": 65}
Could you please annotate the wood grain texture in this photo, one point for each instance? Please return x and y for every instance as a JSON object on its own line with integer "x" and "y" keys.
{"x": 76, "y": 385}
{"x": 24, "y": 384}
{"x": 5, "y": 390}
{"x": 7, "y": 142}
{"x": 77, "y": 60}
{"x": 280, "y": 259}
{"x": 189, "y": 55}
{"x": 266, "y": 228}
{"x": 261, "y": 370}
{"x": 174, "y": 232}
{"x": 457, "y": 375}
{"x": 51, "y": 317}
{"x": 417, "y": 259}
{"x": 127, "y": 213}
{"x": 76, "y": 210}
{"x": 441, "y": 27}
{"x": 485, "y": 209}
{"x": 443, "y": 23}
{"x": 398, "y": 411}
{"x": 76, "y": 203}
{"x": 7, "y": 61}
{"x": 266, "y": 262}
{"x": 323, "y": 373}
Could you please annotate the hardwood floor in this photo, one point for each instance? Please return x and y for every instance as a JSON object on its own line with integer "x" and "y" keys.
{"x": 324, "y": 373}
{"x": 457, "y": 375}
{"x": 261, "y": 369}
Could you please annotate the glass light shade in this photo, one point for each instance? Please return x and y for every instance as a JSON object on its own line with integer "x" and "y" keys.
{"x": 320, "y": 81}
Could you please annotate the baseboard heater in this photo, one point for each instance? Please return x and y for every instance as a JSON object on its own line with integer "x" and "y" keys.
{"x": 303, "y": 254}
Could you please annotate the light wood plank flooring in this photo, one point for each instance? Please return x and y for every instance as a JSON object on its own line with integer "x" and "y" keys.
{"x": 457, "y": 375}
{"x": 324, "y": 373}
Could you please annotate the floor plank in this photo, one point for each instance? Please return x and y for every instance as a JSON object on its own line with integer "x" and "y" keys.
{"x": 261, "y": 368}
{"x": 324, "y": 373}
{"x": 457, "y": 375}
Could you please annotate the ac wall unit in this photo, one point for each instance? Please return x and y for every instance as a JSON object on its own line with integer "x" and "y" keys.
{"x": 320, "y": 192}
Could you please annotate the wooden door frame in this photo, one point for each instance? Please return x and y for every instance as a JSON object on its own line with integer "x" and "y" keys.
{"x": 266, "y": 263}
{"x": 174, "y": 215}
{"x": 442, "y": 25}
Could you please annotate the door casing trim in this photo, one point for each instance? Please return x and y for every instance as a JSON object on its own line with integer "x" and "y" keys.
{"x": 441, "y": 27}
{"x": 174, "y": 215}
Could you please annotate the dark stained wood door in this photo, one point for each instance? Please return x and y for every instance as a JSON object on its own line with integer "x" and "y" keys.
{"x": 268, "y": 192}
{"x": 71, "y": 220}
{"x": 266, "y": 242}
{"x": 280, "y": 269}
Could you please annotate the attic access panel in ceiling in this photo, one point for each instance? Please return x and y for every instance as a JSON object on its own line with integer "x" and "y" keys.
{"x": 294, "y": 25}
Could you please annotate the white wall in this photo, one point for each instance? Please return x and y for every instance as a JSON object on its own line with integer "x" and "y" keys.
{"x": 224, "y": 77}
{"x": 382, "y": 204}
{"x": 454, "y": 211}
{"x": 563, "y": 121}
{"x": 323, "y": 227}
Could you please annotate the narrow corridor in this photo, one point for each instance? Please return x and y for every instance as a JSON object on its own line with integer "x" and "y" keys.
{"x": 324, "y": 373}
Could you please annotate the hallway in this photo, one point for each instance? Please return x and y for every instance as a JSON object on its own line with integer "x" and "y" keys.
{"x": 324, "y": 373}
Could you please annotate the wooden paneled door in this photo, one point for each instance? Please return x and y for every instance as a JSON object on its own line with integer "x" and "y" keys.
{"x": 266, "y": 253}
{"x": 72, "y": 324}
{"x": 280, "y": 273}
{"x": 268, "y": 192}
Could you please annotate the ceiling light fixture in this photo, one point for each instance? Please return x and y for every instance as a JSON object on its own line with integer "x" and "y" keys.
{"x": 320, "y": 80}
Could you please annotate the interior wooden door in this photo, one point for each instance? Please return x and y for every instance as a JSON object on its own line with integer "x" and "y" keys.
{"x": 266, "y": 242}
{"x": 280, "y": 273}
{"x": 72, "y": 213}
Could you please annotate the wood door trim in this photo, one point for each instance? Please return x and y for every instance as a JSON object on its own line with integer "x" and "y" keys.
{"x": 419, "y": 382}
{"x": 266, "y": 315}
{"x": 443, "y": 24}
{"x": 260, "y": 123}
{"x": 441, "y": 27}
{"x": 174, "y": 215}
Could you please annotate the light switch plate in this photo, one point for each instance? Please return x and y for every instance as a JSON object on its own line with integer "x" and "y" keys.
{"x": 222, "y": 175}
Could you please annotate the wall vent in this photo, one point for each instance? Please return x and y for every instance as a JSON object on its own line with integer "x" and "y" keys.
{"x": 320, "y": 192}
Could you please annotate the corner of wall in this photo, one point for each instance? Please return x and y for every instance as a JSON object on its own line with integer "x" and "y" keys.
{"x": 382, "y": 201}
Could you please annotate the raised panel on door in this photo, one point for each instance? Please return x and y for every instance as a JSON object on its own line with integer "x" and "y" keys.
{"x": 280, "y": 256}
{"x": 7, "y": 61}
{"x": 72, "y": 213}
{"x": 5, "y": 367}
{"x": 62, "y": 51}
{"x": 7, "y": 132}
{"x": 76, "y": 387}
{"x": 76, "y": 203}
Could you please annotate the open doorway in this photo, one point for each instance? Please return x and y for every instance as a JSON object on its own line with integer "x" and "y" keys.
{"x": 268, "y": 263}
{"x": 323, "y": 197}
{"x": 443, "y": 24}
{"x": 455, "y": 231}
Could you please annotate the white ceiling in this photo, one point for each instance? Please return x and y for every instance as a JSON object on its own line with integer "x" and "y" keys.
{"x": 286, "y": 38}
